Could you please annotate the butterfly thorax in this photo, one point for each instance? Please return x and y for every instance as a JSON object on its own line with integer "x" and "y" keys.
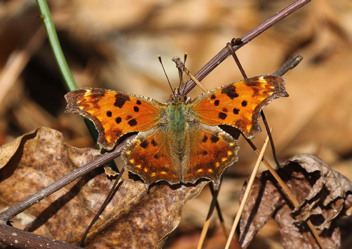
{"x": 176, "y": 109}
{"x": 177, "y": 120}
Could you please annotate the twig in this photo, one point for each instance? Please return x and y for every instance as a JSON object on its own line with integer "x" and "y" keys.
{"x": 229, "y": 45}
{"x": 207, "y": 221}
{"x": 103, "y": 206}
{"x": 288, "y": 65}
{"x": 246, "y": 194}
{"x": 57, "y": 185}
{"x": 218, "y": 209}
{"x": 287, "y": 191}
{"x": 234, "y": 56}
{"x": 182, "y": 68}
{"x": 224, "y": 53}
{"x": 16, "y": 238}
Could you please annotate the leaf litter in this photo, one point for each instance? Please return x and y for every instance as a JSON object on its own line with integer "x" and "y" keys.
{"x": 324, "y": 196}
{"x": 134, "y": 217}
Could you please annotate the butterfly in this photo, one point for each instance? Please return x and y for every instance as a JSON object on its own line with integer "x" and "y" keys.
{"x": 180, "y": 141}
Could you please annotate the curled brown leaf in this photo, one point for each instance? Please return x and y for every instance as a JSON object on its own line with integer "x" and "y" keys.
{"x": 323, "y": 193}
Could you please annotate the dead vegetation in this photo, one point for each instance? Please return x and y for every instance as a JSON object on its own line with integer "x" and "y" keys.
{"x": 114, "y": 44}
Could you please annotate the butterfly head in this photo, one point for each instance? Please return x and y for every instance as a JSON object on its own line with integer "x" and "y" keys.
{"x": 177, "y": 96}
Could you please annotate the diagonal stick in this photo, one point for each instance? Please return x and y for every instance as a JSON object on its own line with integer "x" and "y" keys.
{"x": 246, "y": 194}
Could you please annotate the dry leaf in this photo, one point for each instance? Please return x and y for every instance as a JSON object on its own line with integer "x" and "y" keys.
{"x": 323, "y": 193}
{"x": 134, "y": 217}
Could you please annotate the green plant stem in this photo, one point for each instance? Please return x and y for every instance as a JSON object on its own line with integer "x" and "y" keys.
{"x": 55, "y": 45}
{"x": 62, "y": 64}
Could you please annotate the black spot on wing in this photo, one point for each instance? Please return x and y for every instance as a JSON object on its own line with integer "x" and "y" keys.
{"x": 132, "y": 122}
{"x": 205, "y": 138}
{"x": 230, "y": 91}
{"x": 222, "y": 115}
{"x": 109, "y": 114}
{"x": 214, "y": 139}
{"x": 144, "y": 144}
{"x": 120, "y": 100}
{"x": 236, "y": 110}
{"x": 154, "y": 143}
{"x": 118, "y": 120}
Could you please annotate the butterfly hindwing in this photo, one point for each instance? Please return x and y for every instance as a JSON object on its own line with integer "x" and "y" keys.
{"x": 211, "y": 151}
{"x": 114, "y": 113}
{"x": 238, "y": 104}
{"x": 149, "y": 156}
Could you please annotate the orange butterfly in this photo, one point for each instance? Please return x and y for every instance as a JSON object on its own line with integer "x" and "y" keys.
{"x": 180, "y": 141}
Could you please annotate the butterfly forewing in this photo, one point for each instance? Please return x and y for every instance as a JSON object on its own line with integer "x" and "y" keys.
{"x": 238, "y": 104}
{"x": 114, "y": 113}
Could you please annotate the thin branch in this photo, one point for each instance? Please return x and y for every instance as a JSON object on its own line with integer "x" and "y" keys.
{"x": 288, "y": 65}
{"x": 224, "y": 53}
{"x": 207, "y": 220}
{"x": 62, "y": 182}
{"x": 287, "y": 191}
{"x": 247, "y": 191}
{"x": 16, "y": 238}
{"x": 103, "y": 206}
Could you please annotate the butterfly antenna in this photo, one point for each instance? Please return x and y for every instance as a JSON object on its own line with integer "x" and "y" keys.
{"x": 185, "y": 58}
{"x": 181, "y": 66}
{"x": 162, "y": 65}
